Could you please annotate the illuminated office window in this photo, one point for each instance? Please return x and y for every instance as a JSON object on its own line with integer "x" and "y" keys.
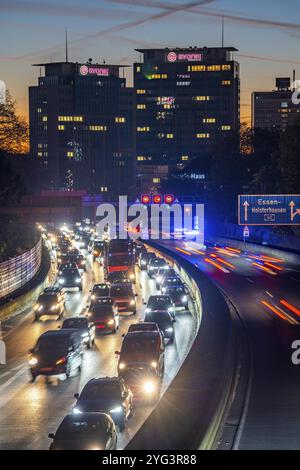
{"x": 170, "y": 136}
{"x": 226, "y": 128}
{"x": 119, "y": 119}
{"x": 70, "y": 154}
{"x": 45, "y": 118}
{"x": 97, "y": 128}
{"x": 214, "y": 68}
{"x": 103, "y": 189}
{"x": 141, "y": 92}
{"x": 143, "y": 129}
{"x": 140, "y": 158}
{"x": 61, "y": 127}
{"x": 40, "y": 154}
{"x": 201, "y": 98}
{"x": 226, "y": 82}
{"x": 209, "y": 120}
{"x": 156, "y": 180}
{"x": 39, "y": 110}
{"x": 140, "y": 106}
{"x": 70, "y": 118}
{"x": 202, "y": 135}
{"x": 138, "y": 69}
{"x": 196, "y": 68}
{"x": 226, "y": 67}
{"x": 184, "y": 158}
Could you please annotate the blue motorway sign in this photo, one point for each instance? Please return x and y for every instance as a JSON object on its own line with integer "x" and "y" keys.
{"x": 269, "y": 209}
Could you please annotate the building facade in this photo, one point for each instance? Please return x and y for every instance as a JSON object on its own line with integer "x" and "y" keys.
{"x": 275, "y": 109}
{"x": 82, "y": 129}
{"x": 187, "y": 101}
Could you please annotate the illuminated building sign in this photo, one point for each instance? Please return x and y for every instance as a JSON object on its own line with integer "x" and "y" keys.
{"x": 157, "y": 199}
{"x": 92, "y": 70}
{"x": 168, "y": 198}
{"x": 145, "y": 198}
{"x": 183, "y": 57}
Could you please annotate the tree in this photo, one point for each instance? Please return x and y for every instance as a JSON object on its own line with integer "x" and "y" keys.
{"x": 13, "y": 129}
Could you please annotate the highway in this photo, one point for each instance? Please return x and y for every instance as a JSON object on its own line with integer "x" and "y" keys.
{"x": 265, "y": 291}
{"x": 28, "y": 412}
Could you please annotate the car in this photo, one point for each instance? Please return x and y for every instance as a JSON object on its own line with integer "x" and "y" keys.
{"x": 100, "y": 290}
{"x": 116, "y": 276}
{"x": 79, "y": 259}
{"x": 121, "y": 262}
{"x": 106, "y": 395}
{"x": 170, "y": 281}
{"x": 98, "y": 249}
{"x": 87, "y": 431}
{"x": 63, "y": 259}
{"x": 164, "y": 322}
{"x": 104, "y": 314}
{"x": 145, "y": 258}
{"x": 155, "y": 265}
{"x": 143, "y": 326}
{"x": 50, "y": 302}
{"x": 56, "y": 352}
{"x": 141, "y": 362}
{"x": 124, "y": 296}
{"x": 138, "y": 248}
{"x": 82, "y": 324}
{"x": 163, "y": 274}
{"x": 84, "y": 240}
{"x": 70, "y": 277}
{"x": 160, "y": 302}
{"x": 178, "y": 296}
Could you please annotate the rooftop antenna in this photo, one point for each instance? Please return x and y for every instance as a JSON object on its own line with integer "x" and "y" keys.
{"x": 66, "y": 34}
{"x": 222, "y": 31}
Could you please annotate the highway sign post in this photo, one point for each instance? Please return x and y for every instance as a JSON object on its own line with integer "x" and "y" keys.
{"x": 268, "y": 209}
{"x": 246, "y": 233}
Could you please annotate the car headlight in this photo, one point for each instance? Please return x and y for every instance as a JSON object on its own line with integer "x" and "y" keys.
{"x": 84, "y": 335}
{"x": 132, "y": 302}
{"x": 163, "y": 289}
{"x": 143, "y": 262}
{"x": 61, "y": 281}
{"x": 151, "y": 268}
{"x": 33, "y": 361}
{"x": 54, "y": 307}
{"x": 78, "y": 280}
{"x": 184, "y": 298}
{"x": 149, "y": 387}
{"x": 159, "y": 278}
{"x": 110, "y": 322}
{"x": 170, "y": 309}
{"x": 166, "y": 267}
{"x": 76, "y": 411}
{"x": 169, "y": 330}
{"x": 153, "y": 364}
{"x": 96, "y": 253}
{"x": 118, "y": 409}
{"x": 147, "y": 310}
{"x": 93, "y": 297}
{"x": 132, "y": 276}
{"x": 122, "y": 365}
{"x": 60, "y": 361}
{"x": 36, "y": 307}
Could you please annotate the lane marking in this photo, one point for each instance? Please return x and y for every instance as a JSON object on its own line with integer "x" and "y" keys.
{"x": 269, "y": 294}
{"x": 250, "y": 280}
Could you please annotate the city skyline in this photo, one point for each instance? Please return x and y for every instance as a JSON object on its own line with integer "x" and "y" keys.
{"x": 266, "y": 37}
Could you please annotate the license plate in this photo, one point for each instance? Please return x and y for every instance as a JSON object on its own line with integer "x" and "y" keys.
{"x": 46, "y": 369}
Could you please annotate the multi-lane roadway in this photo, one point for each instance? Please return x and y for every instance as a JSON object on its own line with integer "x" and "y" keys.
{"x": 28, "y": 412}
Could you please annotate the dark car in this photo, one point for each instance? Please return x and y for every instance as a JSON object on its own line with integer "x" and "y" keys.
{"x": 100, "y": 290}
{"x": 87, "y": 431}
{"x": 79, "y": 259}
{"x": 50, "y": 303}
{"x": 84, "y": 240}
{"x": 124, "y": 296}
{"x": 155, "y": 265}
{"x": 178, "y": 296}
{"x": 84, "y": 326}
{"x": 141, "y": 362}
{"x": 107, "y": 395}
{"x": 164, "y": 322}
{"x": 70, "y": 277}
{"x": 98, "y": 249}
{"x": 144, "y": 259}
{"x": 160, "y": 302}
{"x": 116, "y": 276}
{"x": 137, "y": 250}
{"x": 164, "y": 274}
{"x": 104, "y": 314}
{"x": 169, "y": 282}
{"x": 56, "y": 352}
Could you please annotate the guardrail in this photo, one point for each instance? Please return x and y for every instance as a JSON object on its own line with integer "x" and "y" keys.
{"x": 17, "y": 271}
{"x": 189, "y": 414}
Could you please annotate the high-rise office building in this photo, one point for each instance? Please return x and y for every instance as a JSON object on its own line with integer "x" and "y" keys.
{"x": 82, "y": 128}
{"x": 187, "y": 101}
{"x": 275, "y": 109}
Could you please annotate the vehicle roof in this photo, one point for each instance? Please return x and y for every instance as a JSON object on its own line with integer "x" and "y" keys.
{"x": 104, "y": 380}
{"x": 65, "y": 332}
{"x": 51, "y": 290}
{"x": 139, "y": 335}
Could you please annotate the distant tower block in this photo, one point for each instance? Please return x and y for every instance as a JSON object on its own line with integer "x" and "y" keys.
{"x": 2, "y": 92}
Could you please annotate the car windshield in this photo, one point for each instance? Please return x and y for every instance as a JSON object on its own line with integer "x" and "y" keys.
{"x": 176, "y": 290}
{"x": 47, "y": 298}
{"x": 158, "y": 317}
{"x": 158, "y": 301}
{"x": 104, "y": 301}
{"x": 121, "y": 290}
{"x": 74, "y": 322}
{"x": 101, "y": 389}
{"x": 98, "y": 245}
{"x": 158, "y": 263}
{"x": 143, "y": 327}
{"x": 55, "y": 343}
{"x": 102, "y": 311}
{"x": 138, "y": 345}
{"x": 120, "y": 260}
{"x": 172, "y": 280}
{"x": 81, "y": 428}
{"x": 70, "y": 272}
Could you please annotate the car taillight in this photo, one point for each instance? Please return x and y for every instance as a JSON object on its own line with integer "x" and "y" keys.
{"x": 61, "y": 361}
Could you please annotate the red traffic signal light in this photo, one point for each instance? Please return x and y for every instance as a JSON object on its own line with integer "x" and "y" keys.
{"x": 145, "y": 198}
{"x": 157, "y": 199}
{"x": 169, "y": 198}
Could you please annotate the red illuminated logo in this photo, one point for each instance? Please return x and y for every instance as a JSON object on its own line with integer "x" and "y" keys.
{"x": 172, "y": 57}
{"x": 169, "y": 198}
{"x": 157, "y": 199}
{"x": 145, "y": 198}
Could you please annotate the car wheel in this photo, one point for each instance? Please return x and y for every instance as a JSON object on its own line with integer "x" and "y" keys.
{"x": 90, "y": 344}
{"x": 33, "y": 377}
{"x": 171, "y": 340}
{"x": 68, "y": 370}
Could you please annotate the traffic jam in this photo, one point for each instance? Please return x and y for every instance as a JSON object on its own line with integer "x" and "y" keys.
{"x": 104, "y": 406}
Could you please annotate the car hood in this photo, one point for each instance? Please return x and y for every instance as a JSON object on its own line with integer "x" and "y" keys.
{"x": 98, "y": 405}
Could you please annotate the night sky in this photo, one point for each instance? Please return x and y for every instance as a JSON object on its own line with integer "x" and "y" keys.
{"x": 267, "y": 34}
